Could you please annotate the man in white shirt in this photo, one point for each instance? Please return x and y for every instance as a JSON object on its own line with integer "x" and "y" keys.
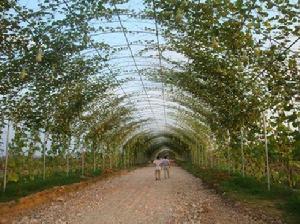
{"x": 166, "y": 167}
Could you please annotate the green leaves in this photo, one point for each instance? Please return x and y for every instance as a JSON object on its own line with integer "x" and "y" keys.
{"x": 241, "y": 62}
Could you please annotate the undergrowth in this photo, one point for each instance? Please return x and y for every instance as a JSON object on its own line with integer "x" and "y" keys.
{"x": 26, "y": 186}
{"x": 249, "y": 189}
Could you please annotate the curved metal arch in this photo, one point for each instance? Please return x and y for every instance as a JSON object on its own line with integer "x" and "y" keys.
{"x": 122, "y": 46}
{"x": 125, "y": 21}
{"x": 113, "y": 68}
{"x": 121, "y": 32}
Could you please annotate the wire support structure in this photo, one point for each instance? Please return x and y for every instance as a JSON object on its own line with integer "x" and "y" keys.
{"x": 133, "y": 58}
{"x": 108, "y": 67}
{"x": 160, "y": 62}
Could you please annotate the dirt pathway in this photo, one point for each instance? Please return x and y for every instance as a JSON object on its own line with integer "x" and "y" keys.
{"x": 136, "y": 198}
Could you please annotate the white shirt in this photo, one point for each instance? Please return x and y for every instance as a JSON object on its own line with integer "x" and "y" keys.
{"x": 157, "y": 163}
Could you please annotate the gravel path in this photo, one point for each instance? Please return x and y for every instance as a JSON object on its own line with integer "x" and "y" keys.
{"x": 136, "y": 198}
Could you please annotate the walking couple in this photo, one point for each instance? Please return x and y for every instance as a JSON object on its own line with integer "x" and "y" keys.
{"x": 162, "y": 164}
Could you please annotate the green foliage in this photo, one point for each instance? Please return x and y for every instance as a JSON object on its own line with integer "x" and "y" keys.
{"x": 249, "y": 189}
{"x": 26, "y": 186}
{"x": 241, "y": 63}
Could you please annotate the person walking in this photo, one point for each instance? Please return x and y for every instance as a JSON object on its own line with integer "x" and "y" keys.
{"x": 166, "y": 167}
{"x": 157, "y": 163}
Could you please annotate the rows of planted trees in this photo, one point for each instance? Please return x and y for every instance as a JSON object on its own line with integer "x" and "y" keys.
{"x": 243, "y": 76}
{"x": 59, "y": 115}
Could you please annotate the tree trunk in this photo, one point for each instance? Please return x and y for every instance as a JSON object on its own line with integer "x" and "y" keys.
{"x": 6, "y": 157}
{"x": 44, "y": 155}
{"x": 266, "y": 151}
{"x": 228, "y": 152}
{"x": 94, "y": 159}
{"x": 82, "y": 162}
{"x": 68, "y": 164}
{"x": 242, "y": 151}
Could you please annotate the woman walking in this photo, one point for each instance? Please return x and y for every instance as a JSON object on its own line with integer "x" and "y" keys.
{"x": 157, "y": 163}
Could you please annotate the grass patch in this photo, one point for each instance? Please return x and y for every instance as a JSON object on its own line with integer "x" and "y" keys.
{"x": 24, "y": 187}
{"x": 280, "y": 199}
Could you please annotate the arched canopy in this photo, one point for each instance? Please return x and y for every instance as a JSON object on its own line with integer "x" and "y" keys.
{"x": 143, "y": 75}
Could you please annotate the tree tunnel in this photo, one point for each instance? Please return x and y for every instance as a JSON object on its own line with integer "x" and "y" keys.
{"x": 166, "y": 153}
{"x": 160, "y": 144}
{"x": 96, "y": 85}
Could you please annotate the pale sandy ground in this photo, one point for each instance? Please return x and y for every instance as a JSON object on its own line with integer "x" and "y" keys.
{"x": 136, "y": 197}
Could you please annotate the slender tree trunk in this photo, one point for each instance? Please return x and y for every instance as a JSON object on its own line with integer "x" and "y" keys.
{"x": 117, "y": 160}
{"x": 203, "y": 159}
{"x": 266, "y": 151}
{"x": 109, "y": 156}
{"x": 103, "y": 159}
{"x": 94, "y": 158}
{"x": 82, "y": 162}
{"x": 242, "y": 151}
{"x": 6, "y": 157}
{"x": 129, "y": 159}
{"x": 199, "y": 155}
{"x": 68, "y": 164}
{"x": 98, "y": 157}
{"x": 292, "y": 184}
{"x": 68, "y": 160}
{"x": 110, "y": 161}
{"x": 82, "y": 158}
{"x": 44, "y": 155}
{"x": 123, "y": 159}
{"x": 193, "y": 156}
{"x": 228, "y": 153}
{"x": 196, "y": 155}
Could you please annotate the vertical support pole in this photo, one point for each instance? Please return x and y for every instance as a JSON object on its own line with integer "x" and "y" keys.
{"x": 228, "y": 152}
{"x": 242, "y": 150}
{"x": 67, "y": 157}
{"x": 228, "y": 164}
{"x": 44, "y": 155}
{"x": 123, "y": 158}
{"x": 202, "y": 155}
{"x": 94, "y": 157}
{"x": 6, "y": 157}
{"x": 116, "y": 158}
{"x": 266, "y": 150}
{"x": 103, "y": 160}
{"x": 193, "y": 154}
{"x": 211, "y": 152}
{"x": 82, "y": 162}
{"x": 198, "y": 155}
{"x": 110, "y": 160}
{"x": 194, "y": 149}
{"x": 68, "y": 164}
